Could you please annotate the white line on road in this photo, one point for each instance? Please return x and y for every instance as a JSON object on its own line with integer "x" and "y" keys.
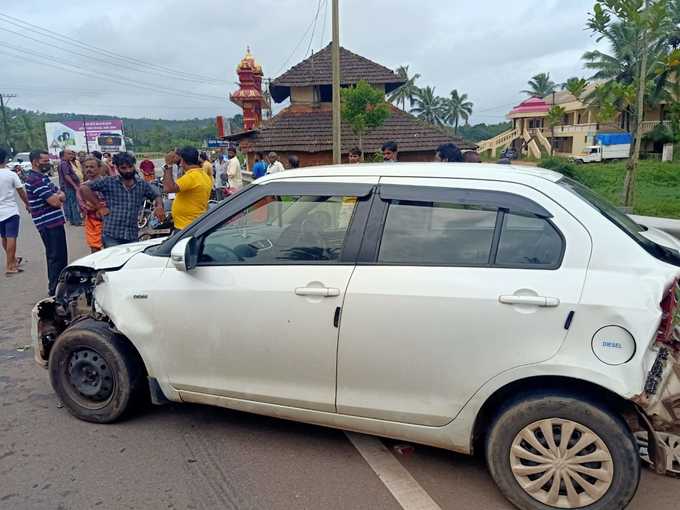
{"x": 408, "y": 493}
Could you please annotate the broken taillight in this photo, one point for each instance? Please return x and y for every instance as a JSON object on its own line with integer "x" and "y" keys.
{"x": 670, "y": 315}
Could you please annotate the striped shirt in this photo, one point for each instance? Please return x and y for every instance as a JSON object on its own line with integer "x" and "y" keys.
{"x": 39, "y": 188}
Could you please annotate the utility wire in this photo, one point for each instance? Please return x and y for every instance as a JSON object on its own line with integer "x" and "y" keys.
{"x": 114, "y": 80}
{"x": 323, "y": 27}
{"x": 94, "y": 49}
{"x": 292, "y": 53}
{"x": 124, "y": 65}
{"x": 316, "y": 19}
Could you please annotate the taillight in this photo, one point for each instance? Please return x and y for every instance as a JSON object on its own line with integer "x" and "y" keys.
{"x": 670, "y": 315}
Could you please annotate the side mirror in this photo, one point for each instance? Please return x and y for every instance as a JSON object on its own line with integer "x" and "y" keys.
{"x": 184, "y": 254}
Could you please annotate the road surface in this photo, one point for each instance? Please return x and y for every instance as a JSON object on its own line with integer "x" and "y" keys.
{"x": 196, "y": 457}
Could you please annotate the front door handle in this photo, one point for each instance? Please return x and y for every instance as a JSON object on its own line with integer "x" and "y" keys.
{"x": 317, "y": 291}
{"x": 529, "y": 300}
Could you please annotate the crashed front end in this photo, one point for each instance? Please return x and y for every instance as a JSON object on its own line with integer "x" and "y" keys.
{"x": 660, "y": 401}
{"x": 73, "y": 301}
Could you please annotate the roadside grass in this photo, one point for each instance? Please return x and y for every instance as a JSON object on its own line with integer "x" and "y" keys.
{"x": 657, "y": 188}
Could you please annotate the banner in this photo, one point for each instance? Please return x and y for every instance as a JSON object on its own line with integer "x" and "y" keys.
{"x": 102, "y": 136}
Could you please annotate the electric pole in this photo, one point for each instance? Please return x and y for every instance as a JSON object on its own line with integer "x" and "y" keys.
{"x": 5, "y": 126}
{"x": 335, "y": 61}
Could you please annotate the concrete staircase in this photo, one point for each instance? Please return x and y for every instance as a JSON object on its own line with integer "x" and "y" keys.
{"x": 501, "y": 141}
{"x": 532, "y": 146}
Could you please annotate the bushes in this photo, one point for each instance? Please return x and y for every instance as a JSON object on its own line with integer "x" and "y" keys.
{"x": 558, "y": 164}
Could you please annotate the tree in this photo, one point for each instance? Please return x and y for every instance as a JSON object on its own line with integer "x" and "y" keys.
{"x": 457, "y": 108}
{"x": 540, "y": 86}
{"x": 407, "y": 91}
{"x": 575, "y": 86}
{"x": 363, "y": 108}
{"x": 429, "y": 107}
{"x": 649, "y": 21}
{"x": 554, "y": 118}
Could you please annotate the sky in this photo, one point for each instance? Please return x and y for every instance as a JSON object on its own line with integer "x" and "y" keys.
{"x": 176, "y": 59}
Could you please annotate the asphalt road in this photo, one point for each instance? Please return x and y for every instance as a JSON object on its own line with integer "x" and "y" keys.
{"x": 196, "y": 457}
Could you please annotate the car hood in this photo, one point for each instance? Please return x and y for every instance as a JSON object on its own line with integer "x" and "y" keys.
{"x": 114, "y": 257}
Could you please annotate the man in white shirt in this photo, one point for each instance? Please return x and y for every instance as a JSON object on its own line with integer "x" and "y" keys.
{"x": 234, "y": 170}
{"x": 9, "y": 213}
{"x": 275, "y": 165}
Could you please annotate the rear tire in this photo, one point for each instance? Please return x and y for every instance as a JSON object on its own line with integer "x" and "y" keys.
{"x": 95, "y": 372}
{"x": 532, "y": 468}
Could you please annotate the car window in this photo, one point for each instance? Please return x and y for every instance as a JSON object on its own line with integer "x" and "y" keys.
{"x": 436, "y": 233}
{"x": 528, "y": 240}
{"x": 281, "y": 230}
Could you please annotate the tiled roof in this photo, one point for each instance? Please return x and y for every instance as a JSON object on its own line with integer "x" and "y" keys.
{"x": 531, "y": 105}
{"x": 311, "y": 131}
{"x": 316, "y": 70}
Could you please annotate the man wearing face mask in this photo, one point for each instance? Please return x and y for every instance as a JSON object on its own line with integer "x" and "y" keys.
{"x": 45, "y": 202}
{"x": 124, "y": 195}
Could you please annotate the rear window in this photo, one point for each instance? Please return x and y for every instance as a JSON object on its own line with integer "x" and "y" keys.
{"x": 621, "y": 220}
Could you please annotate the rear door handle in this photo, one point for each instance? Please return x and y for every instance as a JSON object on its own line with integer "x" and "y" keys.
{"x": 543, "y": 301}
{"x": 317, "y": 291}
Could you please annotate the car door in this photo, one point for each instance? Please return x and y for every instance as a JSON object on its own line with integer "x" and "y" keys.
{"x": 457, "y": 281}
{"x": 256, "y": 318}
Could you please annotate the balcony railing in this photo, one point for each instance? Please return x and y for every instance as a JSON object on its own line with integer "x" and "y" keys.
{"x": 648, "y": 125}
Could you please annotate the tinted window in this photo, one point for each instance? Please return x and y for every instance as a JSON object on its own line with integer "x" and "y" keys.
{"x": 280, "y": 230}
{"x": 436, "y": 233}
{"x": 528, "y": 240}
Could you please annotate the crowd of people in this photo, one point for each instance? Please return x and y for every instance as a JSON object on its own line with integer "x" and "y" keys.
{"x": 105, "y": 194}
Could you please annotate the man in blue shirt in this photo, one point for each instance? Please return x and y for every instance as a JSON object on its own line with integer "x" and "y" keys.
{"x": 45, "y": 202}
{"x": 260, "y": 166}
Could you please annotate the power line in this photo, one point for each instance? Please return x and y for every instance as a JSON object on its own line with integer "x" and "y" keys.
{"x": 292, "y": 53}
{"x": 113, "y": 62}
{"x": 95, "y": 49}
{"x": 73, "y": 69}
{"x": 316, "y": 19}
{"x": 323, "y": 27}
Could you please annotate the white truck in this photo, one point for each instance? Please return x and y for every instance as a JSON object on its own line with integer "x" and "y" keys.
{"x": 608, "y": 146}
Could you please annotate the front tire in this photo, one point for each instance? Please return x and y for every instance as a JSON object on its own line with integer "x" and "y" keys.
{"x": 95, "y": 372}
{"x": 558, "y": 451}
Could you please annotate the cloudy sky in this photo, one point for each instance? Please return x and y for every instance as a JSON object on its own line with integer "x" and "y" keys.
{"x": 176, "y": 58}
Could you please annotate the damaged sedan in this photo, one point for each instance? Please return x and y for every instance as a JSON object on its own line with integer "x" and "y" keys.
{"x": 509, "y": 312}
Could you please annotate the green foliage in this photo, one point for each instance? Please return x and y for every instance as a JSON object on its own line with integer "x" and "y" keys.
{"x": 656, "y": 193}
{"x": 661, "y": 134}
{"x": 558, "y": 164}
{"x": 429, "y": 107}
{"x": 406, "y": 92}
{"x": 363, "y": 108}
{"x": 457, "y": 108}
{"x": 27, "y": 129}
{"x": 540, "y": 86}
{"x": 555, "y": 115}
{"x": 483, "y": 131}
{"x": 575, "y": 86}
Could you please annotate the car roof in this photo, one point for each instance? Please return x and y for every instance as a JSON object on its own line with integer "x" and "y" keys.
{"x": 485, "y": 171}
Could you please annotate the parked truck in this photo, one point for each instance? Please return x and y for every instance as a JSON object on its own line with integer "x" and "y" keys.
{"x": 608, "y": 146}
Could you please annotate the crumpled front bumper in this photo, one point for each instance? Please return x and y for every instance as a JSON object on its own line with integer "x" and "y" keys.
{"x": 39, "y": 353}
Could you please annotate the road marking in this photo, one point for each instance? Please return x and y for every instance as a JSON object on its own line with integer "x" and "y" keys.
{"x": 408, "y": 493}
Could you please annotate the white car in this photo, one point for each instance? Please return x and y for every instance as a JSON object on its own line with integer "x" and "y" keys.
{"x": 467, "y": 306}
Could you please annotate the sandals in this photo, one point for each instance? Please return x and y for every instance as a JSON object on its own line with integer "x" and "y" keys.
{"x": 10, "y": 273}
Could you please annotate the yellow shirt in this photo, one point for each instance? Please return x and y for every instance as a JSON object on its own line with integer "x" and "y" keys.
{"x": 207, "y": 167}
{"x": 192, "y": 199}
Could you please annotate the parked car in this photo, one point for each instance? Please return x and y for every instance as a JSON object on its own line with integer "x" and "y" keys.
{"x": 21, "y": 160}
{"x": 513, "y": 313}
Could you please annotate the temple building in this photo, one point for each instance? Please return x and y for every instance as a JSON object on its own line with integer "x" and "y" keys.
{"x": 304, "y": 128}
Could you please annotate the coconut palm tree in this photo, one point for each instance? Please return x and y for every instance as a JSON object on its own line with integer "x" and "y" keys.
{"x": 407, "y": 91}
{"x": 429, "y": 107}
{"x": 540, "y": 86}
{"x": 457, "y": 108}
{"x": 575, "y": 86}
{"x": 554, "y": 118}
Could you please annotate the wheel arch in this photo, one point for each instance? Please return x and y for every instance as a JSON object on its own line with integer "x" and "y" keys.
{"x": 546, "y": 384}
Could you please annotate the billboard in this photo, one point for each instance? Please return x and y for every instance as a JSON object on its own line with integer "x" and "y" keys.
{"x": 102, "y": 135}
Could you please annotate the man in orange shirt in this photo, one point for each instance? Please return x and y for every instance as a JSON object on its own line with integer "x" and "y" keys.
{"x": 192, "y": 189}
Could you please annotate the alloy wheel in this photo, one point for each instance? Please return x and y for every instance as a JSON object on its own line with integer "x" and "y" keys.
{"x": 561, "y": 463}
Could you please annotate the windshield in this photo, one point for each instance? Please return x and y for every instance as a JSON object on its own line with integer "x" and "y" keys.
{"x": 621, "y": 220}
